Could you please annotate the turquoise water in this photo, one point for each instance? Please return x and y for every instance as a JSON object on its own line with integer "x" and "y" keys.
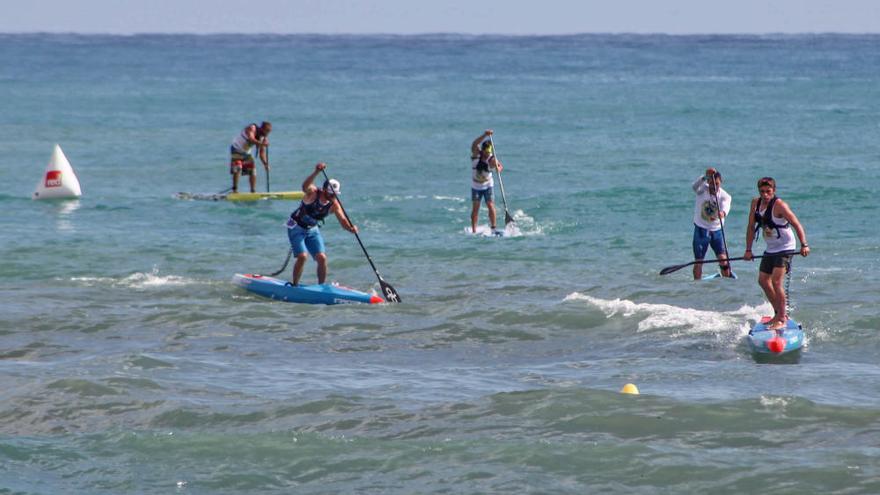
{"x": 130, "y": 364}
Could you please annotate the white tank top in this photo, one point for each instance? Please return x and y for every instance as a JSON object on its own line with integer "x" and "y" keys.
{"x": 481, "y": 180}
{"x": 241, "y": 142}
{"x": 783, "y": 241}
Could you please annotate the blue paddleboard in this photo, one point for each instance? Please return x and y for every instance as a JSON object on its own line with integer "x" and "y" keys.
{"x": 763, "y": 341}
{"x": 282, "y": 290}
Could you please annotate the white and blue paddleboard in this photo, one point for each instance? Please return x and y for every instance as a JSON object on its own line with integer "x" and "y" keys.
{"x": 486, "y": 231}
{"x": 776, "y": 342}
{"x": 718, "y": 275}
{"x": 282, "y": 290}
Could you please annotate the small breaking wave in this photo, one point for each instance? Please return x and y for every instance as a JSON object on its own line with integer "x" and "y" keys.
{"x": 654, "y": 317}
{"x": 137, "y": 280}
{"x": 522, "y": 226}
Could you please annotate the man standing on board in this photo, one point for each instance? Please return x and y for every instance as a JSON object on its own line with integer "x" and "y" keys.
{"x": 302, "y": 227}
{"x": 775, "y": 220}
{"x": 241, "y": 160}
{"x": 708, "y": 216}
{"x": 483, "y": 161}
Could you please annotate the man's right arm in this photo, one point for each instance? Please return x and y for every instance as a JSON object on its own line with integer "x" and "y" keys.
{"x": 308, "y": 183}
{"x": 250, "y": 133}
{"x": 475, "y": 146}
{"x": 750, "y": 231}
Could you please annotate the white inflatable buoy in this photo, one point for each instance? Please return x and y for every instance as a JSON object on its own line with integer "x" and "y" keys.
{"x": 60, "y": 180}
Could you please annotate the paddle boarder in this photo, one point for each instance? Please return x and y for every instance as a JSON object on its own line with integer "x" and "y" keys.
{"x": 241, "y": 161}
{"x": 483, "y": 162}
{"x": 710, "y": 209}
{"x": 302, "y": 227}
{"x": 774, "y": 218}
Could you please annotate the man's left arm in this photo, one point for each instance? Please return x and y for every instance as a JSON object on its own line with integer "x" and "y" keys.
{"x": 264, "y": 154}
{"x": 343, "y": 220}
{"x": 798, "y": 228}
{"x": 726, "y": 199}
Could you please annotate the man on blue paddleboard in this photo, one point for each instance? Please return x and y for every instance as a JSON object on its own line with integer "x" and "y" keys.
{"x": 774, "y": 218}
{"x": 241, "y": 161}
{"x": 303, "y": 230}
{"x": 483, "y": 162}
{"x": 710, "y": 209}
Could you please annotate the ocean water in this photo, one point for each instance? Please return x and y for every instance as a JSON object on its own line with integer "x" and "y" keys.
{"x": 130, "y": 364}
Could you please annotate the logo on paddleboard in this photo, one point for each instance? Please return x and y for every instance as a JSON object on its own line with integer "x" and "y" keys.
{"x": 53, "y": 178}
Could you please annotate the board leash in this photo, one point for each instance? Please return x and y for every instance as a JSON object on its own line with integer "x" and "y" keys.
{"x": 286, "y": 261}
{"x": 787, "y": 285}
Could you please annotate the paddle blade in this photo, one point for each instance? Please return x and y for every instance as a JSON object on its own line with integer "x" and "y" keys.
{"x": 389, "y": 292}
{"x": 670, "y": 269}
{"x": 507, "y": 218}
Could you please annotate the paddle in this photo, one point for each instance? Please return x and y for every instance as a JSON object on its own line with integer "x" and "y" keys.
{"x": 507, "y": 217}
{"x": 675, "y": 268}
{"x": 388, "y": 291}
{"x": 720, "y": 219}
{"x": 267, "y": 169}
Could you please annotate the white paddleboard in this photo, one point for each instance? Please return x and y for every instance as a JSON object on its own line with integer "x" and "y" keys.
{"x": 718, "y": 275}
{"x": 485, "y": 231}
{"x": 59, "y": 179}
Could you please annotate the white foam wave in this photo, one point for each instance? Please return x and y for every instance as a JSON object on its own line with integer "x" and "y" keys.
{"x": 523, "y": 225}
{"x": 395, "y": 198}
{"x": 391, "y": 199}
{"x": 137, "y": 280}
{"x": 775, "y": 403}
{"x": 682, "y": 320}
{"x": 526, "y": 224}
{"x": 449, "y": 198}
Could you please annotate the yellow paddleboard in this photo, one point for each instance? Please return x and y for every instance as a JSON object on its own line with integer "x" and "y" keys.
{"x": 245, "y": 196}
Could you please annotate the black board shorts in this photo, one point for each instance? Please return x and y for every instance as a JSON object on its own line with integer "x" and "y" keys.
{"x": 771, "y": 261}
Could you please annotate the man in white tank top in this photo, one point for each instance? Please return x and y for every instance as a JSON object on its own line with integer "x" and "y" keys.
{"x": 775, "y": 220}
{"x": 483, "y": 162}
{"x": 241, "y": 161}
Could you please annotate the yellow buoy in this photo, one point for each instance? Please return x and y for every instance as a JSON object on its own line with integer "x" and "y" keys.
{"x": 629, "y": 388}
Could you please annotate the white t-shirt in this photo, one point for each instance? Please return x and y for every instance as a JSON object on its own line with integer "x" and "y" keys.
{"x": 705, "y": 209}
